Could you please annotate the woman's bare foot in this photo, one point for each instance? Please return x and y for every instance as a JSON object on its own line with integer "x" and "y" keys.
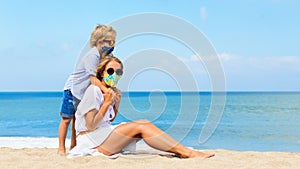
{"x": 198, "y": 154}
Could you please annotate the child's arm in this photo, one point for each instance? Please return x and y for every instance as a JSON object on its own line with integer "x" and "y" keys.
{"x": 95, "y": 81}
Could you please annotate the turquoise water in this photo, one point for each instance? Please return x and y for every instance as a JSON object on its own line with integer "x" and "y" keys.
{"x": 251, "y": 121}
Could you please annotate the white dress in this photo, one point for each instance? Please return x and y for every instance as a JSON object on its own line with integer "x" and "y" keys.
{"x": 92, "y": 99}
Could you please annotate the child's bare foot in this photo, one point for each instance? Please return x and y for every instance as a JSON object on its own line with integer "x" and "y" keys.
{"x": 61, "y": 151}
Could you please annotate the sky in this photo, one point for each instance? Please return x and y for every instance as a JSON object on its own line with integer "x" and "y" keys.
{"x": 254, "y": 43}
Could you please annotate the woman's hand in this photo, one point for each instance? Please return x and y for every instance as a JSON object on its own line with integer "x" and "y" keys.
{"x": 109, "y": 96}
{"x": 94, "y": 117}
{"x": 118, "y": 95}
{"x": 117, "y": 101}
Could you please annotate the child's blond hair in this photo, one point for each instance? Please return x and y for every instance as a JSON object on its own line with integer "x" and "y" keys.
{"x": 100, "y": 33}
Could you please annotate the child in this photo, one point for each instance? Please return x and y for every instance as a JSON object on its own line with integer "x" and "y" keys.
{"x": 102, "y": 43}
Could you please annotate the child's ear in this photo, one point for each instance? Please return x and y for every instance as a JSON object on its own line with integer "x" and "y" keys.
{"x": 99, "y": 42}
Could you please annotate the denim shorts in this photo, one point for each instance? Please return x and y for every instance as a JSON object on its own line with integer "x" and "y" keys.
{"x": 69, "y": 105}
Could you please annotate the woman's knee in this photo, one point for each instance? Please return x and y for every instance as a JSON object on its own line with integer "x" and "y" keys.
{"x": 142, "y": 121}
{"x": 141, "y": 124}
{"x": 136, "y": 127}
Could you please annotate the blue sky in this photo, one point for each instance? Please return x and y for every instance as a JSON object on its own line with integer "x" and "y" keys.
{"x": 257, "y": 41}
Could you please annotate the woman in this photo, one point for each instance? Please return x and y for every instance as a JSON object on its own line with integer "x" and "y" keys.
{"x": 95, "y": 113}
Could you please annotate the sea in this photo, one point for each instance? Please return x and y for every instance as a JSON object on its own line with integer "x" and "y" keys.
{"x": 239, "y": 121}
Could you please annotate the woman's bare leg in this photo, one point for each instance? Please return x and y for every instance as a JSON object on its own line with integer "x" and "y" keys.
{"x": 152, "y": 135}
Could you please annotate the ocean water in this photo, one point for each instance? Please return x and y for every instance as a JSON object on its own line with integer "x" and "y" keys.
{"x": 250, "y": 121}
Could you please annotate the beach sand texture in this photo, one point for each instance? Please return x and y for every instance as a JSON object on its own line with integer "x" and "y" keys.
{"x": 47, "y": 158}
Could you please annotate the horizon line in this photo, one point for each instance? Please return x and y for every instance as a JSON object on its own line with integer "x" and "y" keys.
{"x": 154, "y": 91}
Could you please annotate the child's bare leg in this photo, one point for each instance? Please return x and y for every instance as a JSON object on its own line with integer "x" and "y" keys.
{"x": 152, "y": 135}
{"x": 73, "y": 136}
{"x": 62, "y": 134}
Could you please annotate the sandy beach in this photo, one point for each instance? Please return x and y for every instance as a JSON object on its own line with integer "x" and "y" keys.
{"x": 47, "y": 158}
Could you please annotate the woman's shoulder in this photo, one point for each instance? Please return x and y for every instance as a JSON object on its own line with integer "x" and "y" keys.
{"x": 93, "y": 92}
{"x": 94, "y": 89}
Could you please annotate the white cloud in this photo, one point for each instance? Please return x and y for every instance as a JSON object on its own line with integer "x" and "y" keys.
{"x": 66, "y": 47}
{"x": 239, "y": 64}
{"x": 203, "y": 13}
{"x": 261, "y": 64}
{"x": 252, "y": 73}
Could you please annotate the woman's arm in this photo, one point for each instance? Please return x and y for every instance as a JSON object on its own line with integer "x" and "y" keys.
{"x": 95, "y": 81}
{"x": 118, "y": 96}
{"x": 117, "y": 100}
{"x": 94, "y": 117}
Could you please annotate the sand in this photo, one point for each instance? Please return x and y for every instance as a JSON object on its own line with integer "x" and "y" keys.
{"x": 48, "y": 158}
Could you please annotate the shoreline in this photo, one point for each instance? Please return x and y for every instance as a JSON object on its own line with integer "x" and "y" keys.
{"x": 49, "y": 142}
{"x": 150, "y": 158}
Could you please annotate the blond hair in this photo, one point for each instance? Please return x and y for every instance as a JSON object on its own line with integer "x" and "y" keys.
{"x": 100, "y": 33}
{"x": 101, "y": 67}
